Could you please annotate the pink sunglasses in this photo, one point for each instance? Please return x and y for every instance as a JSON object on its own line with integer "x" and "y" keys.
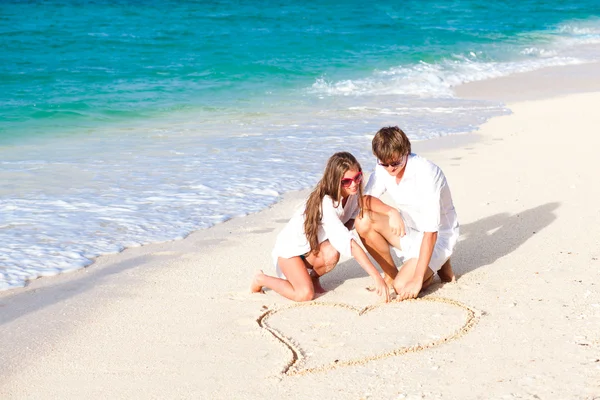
{"x": 347, "y": 182}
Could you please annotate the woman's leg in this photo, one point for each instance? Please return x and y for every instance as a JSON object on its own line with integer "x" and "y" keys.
{"x": 297, "y": 287}
{"x": 321, "y": 263}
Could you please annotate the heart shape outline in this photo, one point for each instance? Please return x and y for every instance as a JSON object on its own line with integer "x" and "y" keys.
{"x": 293, "y": 367}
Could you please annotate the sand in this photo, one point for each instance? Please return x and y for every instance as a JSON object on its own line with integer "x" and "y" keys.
{"x": 536, "y": 85}
{"x": 175, "y": 320}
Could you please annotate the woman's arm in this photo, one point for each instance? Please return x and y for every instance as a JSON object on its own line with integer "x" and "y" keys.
{"x": 343, "y": 241}
{"x": 361, "y": 257}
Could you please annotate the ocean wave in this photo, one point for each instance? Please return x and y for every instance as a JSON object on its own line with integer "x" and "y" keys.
{"x": 566, "y": 44}
{"x": 432, "y": 80}
{"x": 539, "y": 52}
{"x": 577, "y": 33}
{"x": 580, "y": 28}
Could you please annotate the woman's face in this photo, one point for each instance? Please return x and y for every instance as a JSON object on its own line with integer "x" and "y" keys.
{"x": 351, "y": 182}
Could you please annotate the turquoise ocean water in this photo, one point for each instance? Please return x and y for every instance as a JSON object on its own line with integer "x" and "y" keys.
{"x": 129, "y": 122}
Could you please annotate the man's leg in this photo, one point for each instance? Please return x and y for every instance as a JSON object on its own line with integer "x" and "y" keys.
{"x": 406, "y": 273}
{"x": 408, "y": 269}
{"x": 374, "y": 231}
{"x": 446, "y": 273}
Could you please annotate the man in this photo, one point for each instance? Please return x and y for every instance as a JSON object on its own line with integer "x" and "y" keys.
{"x": 423, "y": 229}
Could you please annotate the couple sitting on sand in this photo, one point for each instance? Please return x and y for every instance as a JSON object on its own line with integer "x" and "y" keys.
{"x": 423, "y": 230}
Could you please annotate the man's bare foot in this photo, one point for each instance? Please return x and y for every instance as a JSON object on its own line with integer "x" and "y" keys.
{"x": 255, "y": 286}
{"x": 446, "y": 274}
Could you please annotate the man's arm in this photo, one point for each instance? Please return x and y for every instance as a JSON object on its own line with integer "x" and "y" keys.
{"x": 425, "y": 252}
{"x": 411, "y": 288}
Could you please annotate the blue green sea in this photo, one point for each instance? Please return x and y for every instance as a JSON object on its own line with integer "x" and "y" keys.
{"x": 127, "y": 122}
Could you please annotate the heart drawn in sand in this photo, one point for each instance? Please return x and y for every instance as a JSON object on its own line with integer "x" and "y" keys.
{"x": 324, "y": 336}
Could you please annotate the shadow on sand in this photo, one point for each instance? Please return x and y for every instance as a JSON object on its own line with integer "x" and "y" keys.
{"x": 481, "y": 243}
{"x": 29, "y": 300}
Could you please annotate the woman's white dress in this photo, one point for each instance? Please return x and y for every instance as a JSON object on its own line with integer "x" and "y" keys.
{"x": 292, "y": 241}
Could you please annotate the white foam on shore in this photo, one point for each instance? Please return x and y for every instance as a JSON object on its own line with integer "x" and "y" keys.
{"x": 569, "y": 43}
{"x": 68, "y": 200}
{"x": 438, "y": 80}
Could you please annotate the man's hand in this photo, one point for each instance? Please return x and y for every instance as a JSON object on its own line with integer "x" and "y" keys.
{"x": 396, "y": 223}
{"x": 408, "y": 290}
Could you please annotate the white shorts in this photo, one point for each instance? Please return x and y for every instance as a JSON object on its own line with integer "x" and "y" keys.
{"x": 411, "y": 246}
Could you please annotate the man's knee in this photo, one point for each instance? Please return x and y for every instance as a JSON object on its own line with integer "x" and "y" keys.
{"x": 363, "y": 225}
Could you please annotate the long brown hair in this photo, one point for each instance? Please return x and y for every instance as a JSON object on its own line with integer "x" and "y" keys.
{"x": 329, "y": 185}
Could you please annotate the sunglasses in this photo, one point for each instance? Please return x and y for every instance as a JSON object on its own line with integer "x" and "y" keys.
{"x": 347, "y": 182}
{"x": 394, "y": 164}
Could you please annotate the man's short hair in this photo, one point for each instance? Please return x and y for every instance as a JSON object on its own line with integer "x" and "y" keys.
{"x": 390, "y": 143}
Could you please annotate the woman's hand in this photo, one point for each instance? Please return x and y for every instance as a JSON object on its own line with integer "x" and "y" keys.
{"x": 396, "y": 222}
{"x": 382, "y": 289}
{"x": 363, "y": 260}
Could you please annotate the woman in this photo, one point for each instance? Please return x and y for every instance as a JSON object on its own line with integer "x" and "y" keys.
{"x": 310, "y": 244}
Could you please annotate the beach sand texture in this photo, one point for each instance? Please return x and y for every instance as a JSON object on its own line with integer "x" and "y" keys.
{"x": 528, "y": 261}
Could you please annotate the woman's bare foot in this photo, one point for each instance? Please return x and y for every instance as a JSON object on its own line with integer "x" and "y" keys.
{"x": 317, "y": 285}
{"x": 446, "y": 274}
{"x": 256, "y": 286}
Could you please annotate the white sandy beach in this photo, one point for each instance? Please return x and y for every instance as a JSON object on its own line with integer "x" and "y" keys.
{"x": 175, "y": 320}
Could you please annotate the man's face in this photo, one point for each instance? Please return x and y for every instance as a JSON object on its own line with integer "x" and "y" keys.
{"x": 395, "y": 167}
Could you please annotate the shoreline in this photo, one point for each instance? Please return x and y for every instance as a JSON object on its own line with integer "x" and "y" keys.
{"x": 535, "y": 85}
{"x": 471, "y": 90}
{"x": 429, "y": 145}
{"x": 116, "y": 330}
{"x": 442, "y": 142}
